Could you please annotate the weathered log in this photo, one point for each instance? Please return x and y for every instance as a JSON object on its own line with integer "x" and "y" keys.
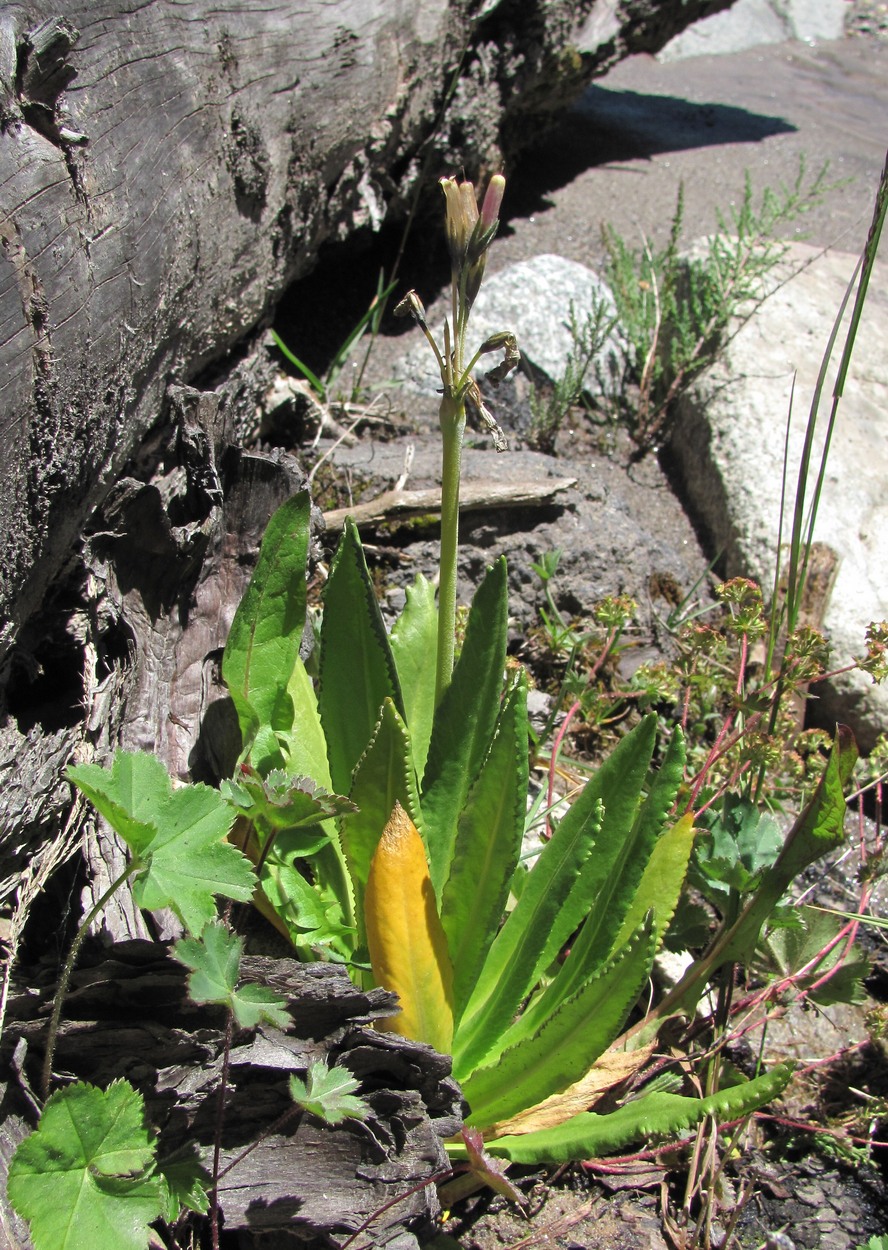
{"x": 128, "y": 1016}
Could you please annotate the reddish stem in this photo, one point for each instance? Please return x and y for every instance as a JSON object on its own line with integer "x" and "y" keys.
{"x": 556, "y": 747}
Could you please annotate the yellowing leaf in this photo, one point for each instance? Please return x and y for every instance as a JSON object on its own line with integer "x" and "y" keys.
{"x": 408, "y": 949}
{"x": 608, "y": 1070}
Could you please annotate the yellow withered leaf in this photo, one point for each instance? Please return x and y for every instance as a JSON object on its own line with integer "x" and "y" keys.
{"x": 608, "y": 1070}
{"x": 408, "y": 949}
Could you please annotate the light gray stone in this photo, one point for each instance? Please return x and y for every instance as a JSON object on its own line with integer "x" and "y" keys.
{"x": 750, "y": 23}
{"x": 533, "y": 299}
{"x": 729, "y": 445}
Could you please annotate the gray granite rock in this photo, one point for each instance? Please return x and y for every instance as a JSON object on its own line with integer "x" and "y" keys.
{"x": 533, "y": 299}
{"x": 729, "y": 446}
{"x": 751, "y": 23}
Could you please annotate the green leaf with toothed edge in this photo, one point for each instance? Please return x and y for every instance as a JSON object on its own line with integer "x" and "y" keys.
{"x": 357, "y": 671}
{"x": 529, "y": 1066}
{"x": 177, "y": 836}
{"x": 612, "y": 876}
{"x": 85, "y": 1177}
{"x": 537, "y": 928}
{"x": 465, "y": 720}
{"x": 650, "y": 1116}
{"x": 487, "y": 848}
{"x": 214, "y": 960}
{"x": 413, "y": 640}
{"x": 329, "y": 1093}
{"x": 266, "y": 633}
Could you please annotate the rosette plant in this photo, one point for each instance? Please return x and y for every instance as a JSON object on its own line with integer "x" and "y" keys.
{"x": 386, "y": 803}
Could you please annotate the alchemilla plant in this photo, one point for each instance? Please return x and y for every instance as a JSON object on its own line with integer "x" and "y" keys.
{"x": 378, "y": 816}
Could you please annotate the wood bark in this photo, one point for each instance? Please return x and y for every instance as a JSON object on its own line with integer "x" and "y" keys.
{"x": 129, "y": 1017}
{"x": 485, "y": 496}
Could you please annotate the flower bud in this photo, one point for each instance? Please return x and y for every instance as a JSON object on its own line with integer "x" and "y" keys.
{"x": 487, "y": 223}
{"x": 411, "y": 306}
{"x": 493, "y": 199}
{"x": 462, "y": 214}
{"x": 469, "y": 203}
{"x": 472, "y": 275}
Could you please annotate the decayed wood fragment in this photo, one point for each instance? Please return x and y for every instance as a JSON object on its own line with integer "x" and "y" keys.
{"x": 394, "y": 505}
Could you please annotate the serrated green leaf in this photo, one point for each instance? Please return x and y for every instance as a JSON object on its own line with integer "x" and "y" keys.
{"x": 214, "y": 959}
{"x": 487, "y": 849}
{"x": 413, "y": 640}
{"x": 534, "y": 932}
{"x": 464, "y": 721}
{"x": 624, "y": 842}
{"x": 293, "y": 813}
{"x": 177, "y": 836}
{"x": 329, "y": 1094}
{"x": 267, "y": 629}
{"x": 659, "y": 1115}
{"x": 188, "y": 1182}
{"x": 256, "y": 1004}
{"x": 84, "y": 1179}
{"x": 215, "y": 962}
{"x": 662, "y": 881}
{"x": 130, "y": 795}
{"x": 284, "y": 801}
{"x": 608, "y": 886}
{"x": 357, "y": 672}
{"x": 530, "y": 1066}
{"x": 383, "y": 776}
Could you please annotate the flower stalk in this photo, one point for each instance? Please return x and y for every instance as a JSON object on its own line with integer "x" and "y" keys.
{"x": 470, "y": 233}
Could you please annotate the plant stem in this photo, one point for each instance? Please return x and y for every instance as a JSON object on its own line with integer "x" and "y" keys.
{"x": 453, "y": 424}
{"x": 65, "y": 978}
{"x": 217, "y": 1137}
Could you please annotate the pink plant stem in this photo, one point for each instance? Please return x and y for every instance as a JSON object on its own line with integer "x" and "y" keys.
{"x": 719, "y": 749}
{"x": 603, "y": 654}
{"x": 716, "y": 750}
{"x": 556, "y": 747}
{"x": 686, "y": 709}
{"x": 807, "y": 1127}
